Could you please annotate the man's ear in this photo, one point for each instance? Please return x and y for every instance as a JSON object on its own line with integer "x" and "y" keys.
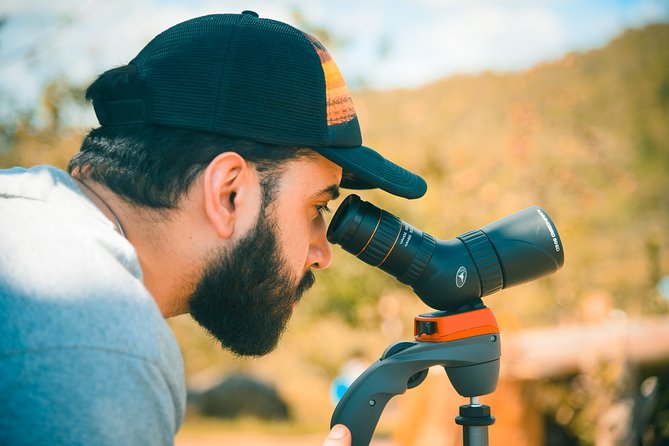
{"x": 226, "y": 182}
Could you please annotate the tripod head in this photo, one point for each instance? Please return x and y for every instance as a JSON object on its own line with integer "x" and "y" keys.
{"x": 466, "y": 344}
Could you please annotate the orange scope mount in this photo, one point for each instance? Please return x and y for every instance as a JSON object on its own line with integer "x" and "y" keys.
{"x": 443, "y": 326}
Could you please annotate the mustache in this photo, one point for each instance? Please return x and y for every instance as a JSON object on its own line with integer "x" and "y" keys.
{"x": 306, "y": 282}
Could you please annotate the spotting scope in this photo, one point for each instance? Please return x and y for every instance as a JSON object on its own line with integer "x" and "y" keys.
{"x": 450, "y": 274}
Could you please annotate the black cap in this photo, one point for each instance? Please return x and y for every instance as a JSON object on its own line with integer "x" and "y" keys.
{"x": 256, "y": 79}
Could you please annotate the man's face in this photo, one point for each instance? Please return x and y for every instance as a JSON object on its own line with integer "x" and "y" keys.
{"x": 246, "y": 294}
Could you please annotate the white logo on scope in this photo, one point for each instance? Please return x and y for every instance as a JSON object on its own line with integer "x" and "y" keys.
{"x": 556, "y": 244}
{"x": 461, "y": 277}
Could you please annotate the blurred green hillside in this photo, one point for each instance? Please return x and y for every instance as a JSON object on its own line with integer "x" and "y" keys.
{"x": 585, "y": 137}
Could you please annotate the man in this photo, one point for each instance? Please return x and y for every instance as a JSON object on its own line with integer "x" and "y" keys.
{"x": 202, "y": 192}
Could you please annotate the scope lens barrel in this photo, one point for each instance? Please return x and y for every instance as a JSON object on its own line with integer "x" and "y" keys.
{"x": 449, "y": 274}
{"x": 380, "y": 239}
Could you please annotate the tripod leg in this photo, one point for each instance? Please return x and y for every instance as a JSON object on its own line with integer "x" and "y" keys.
{"x": 475, "y": 435}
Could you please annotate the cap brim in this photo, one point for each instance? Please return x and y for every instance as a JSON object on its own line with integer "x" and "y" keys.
{"x": 366, "y": 169}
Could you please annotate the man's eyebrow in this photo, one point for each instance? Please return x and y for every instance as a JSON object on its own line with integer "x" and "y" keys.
{"x": 332, "y": 190}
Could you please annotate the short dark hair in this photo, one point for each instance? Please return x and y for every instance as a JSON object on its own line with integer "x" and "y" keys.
{"x": 154, "y": 166}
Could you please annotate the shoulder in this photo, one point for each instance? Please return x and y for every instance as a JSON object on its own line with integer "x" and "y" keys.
{"x": 79, "y": 328}
{"x": 67, "y": 279}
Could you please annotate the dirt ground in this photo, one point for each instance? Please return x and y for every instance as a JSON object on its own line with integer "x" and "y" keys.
{"x": 246, "y": 439}
{"x": 203, "y": 431}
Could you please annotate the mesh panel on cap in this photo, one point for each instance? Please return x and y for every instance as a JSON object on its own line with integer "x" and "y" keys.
{"x": 276, "y": 87}
{"x": 182, "y": 81}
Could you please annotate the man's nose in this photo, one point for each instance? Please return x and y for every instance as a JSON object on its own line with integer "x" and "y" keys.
{"x": 320, "y": 253}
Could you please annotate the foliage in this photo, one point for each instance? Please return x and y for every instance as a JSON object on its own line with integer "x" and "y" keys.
{"x": 585, "y": 137}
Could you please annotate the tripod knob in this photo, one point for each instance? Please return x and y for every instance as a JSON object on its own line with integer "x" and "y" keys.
{"x": 475, "y": 415}
{"x": 475, "y": 419}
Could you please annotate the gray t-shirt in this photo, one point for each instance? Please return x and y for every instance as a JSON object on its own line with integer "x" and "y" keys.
{"x": 85, "y": 356}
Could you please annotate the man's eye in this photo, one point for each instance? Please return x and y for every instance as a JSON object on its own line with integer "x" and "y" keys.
{"x": 323, "y": 209}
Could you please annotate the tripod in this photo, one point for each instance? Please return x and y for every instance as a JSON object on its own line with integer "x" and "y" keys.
{"x": 465, "y": 342}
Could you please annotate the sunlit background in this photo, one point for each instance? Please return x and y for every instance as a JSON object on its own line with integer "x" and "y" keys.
{"x": 499, "y": 104}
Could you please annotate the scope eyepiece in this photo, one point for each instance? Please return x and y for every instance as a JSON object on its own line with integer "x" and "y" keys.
{"x": 447, "y": 274}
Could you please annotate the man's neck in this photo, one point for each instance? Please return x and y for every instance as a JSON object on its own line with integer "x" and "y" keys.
{"x": 165, "y": 267}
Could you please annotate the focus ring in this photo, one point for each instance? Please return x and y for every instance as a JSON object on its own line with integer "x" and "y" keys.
{"x": 382, "y": 240}
{"x": 420, "y": 261}
{"x": 486, "y": 260}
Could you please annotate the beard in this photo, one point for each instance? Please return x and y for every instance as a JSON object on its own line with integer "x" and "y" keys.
{"x": 246, "y": 295}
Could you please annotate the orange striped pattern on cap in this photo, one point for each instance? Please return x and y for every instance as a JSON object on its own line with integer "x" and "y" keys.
{"x": 339, "y": 103}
